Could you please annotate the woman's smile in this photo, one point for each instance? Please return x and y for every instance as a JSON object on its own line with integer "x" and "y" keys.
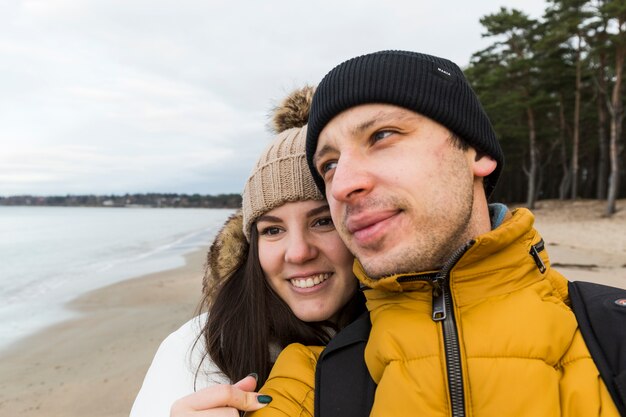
{"x": 311, "y": 281}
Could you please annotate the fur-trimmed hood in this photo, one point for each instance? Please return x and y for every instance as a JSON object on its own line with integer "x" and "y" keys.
{"x": 227, "y": 253}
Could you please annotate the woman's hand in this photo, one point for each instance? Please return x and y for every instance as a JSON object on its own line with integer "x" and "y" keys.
{"x": 221, "y": 400}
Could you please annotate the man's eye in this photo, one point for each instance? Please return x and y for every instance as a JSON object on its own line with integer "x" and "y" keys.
{"x": 327, "y": 166}
{"x": 382, "y": 134}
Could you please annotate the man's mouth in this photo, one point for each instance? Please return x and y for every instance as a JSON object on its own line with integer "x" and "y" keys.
{"x": 369, "y": 225}
{"x": 310, "y": 281}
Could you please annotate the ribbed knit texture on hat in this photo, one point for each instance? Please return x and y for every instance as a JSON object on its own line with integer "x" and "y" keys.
{"x": 281, "y": 175}
{"x": 434, "y": 87}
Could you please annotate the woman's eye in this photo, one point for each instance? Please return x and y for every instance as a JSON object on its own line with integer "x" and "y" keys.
{"x": 324, "y": 221}
{"x": 270, "y": 231}
{"x": 382, "y": 134}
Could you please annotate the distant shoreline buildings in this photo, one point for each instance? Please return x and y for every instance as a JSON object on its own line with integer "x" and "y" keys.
{"x": 154, "y": 200}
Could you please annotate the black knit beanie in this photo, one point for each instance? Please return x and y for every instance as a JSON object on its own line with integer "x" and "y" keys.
{"x": 434, "y": 87}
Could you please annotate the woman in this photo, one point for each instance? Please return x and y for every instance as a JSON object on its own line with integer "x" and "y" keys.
{"x": 277, "y": 273}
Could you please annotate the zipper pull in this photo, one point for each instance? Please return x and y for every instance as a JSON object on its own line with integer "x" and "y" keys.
{"x": 534, "y": 252}
{"x": 439, "y": 302}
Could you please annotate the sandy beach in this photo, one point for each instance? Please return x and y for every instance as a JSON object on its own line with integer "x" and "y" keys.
{"x": 582, "y": 244}
{"x": 94, "y": 365}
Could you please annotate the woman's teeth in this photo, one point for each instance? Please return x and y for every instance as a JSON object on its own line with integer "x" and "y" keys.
{"x": 310, "y": 281}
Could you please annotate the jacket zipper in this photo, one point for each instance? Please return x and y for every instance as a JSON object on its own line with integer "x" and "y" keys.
{"x": 452, "y": 350}
{"x": 443, "y": 312}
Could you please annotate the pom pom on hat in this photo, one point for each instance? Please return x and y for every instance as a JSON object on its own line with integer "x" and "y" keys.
{"x": 293, "y": 111}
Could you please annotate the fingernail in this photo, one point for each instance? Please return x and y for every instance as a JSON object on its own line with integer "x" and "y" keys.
{"x": 264, "y": 399}
{"x": 253, "y": 375}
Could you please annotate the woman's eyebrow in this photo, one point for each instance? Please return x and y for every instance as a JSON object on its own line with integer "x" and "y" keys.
{"x": 317, "y": 210}
{"x": 268, "y": 218}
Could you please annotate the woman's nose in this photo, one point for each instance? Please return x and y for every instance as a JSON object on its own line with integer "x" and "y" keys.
{"x": 300, "y": 249}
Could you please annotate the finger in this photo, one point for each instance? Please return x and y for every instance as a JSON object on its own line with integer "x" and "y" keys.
{"x": 248, "y": 383}
{"x": 220, "y": 396}
{"x": 213, "y": 412}
{"x": 217, "y": 412}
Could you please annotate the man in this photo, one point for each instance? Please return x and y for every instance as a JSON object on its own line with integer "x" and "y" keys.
{"x": 468, "y": 318}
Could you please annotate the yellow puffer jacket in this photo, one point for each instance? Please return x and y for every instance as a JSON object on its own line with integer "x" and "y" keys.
{"x": 509, "y": 346}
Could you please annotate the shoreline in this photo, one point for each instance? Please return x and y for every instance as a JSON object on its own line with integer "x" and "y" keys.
{"x": 56, "y": 254}
{"x": 94, "y": 364}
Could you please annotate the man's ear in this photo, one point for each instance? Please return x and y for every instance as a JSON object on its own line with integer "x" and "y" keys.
{"x": 483, "y": 165}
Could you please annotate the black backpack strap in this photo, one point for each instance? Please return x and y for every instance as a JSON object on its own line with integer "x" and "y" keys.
{"x": 343, "y": 385}
{"x": 601, "y": 314}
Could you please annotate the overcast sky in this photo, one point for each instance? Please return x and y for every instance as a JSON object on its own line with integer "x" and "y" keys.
{"x": 117, "y": 96}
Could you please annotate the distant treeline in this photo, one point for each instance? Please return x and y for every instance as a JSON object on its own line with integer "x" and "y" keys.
{"x": 553, "y": 89}
{"x": 128, "y": 200}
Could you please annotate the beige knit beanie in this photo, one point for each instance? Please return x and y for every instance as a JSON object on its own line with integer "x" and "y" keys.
{"x": 281, "y": 174}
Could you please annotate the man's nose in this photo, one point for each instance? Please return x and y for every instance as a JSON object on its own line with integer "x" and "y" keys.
{"x": 350, "y": 179}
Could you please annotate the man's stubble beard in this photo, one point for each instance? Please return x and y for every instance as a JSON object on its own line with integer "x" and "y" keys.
{"x": 427, "y": 252}
{"x": 434, "y": 235}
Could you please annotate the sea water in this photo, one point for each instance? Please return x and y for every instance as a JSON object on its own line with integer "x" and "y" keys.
{"x": 51, "y": 255}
